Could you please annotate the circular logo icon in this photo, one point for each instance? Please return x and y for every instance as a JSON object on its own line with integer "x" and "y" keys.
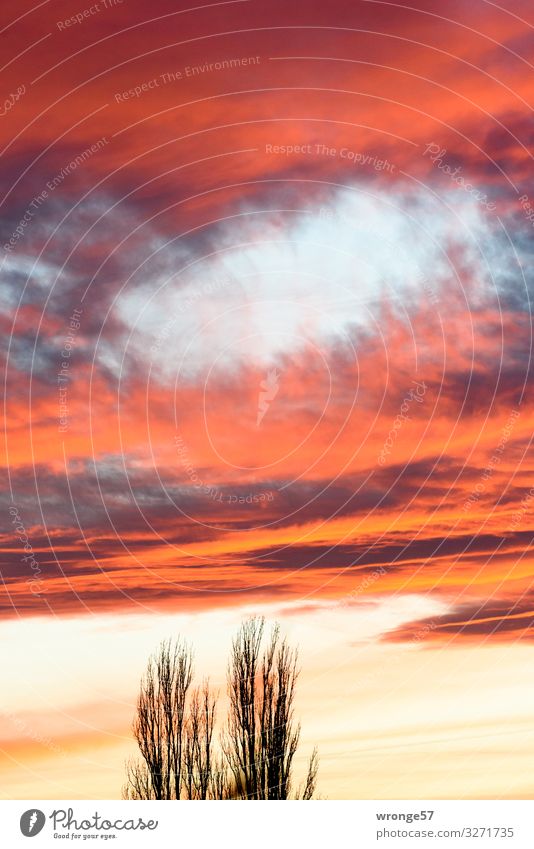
{"x": 32, "y": 822}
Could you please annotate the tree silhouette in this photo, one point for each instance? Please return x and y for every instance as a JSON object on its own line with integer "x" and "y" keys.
{"x": 159, "y": 725}
{"x": 204, "y": 777}
{"x": 174, "y": 726}
{"x": 261, "y": 737}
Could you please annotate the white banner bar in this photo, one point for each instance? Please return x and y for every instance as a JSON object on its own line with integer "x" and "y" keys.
{"x": 270, "y": 825}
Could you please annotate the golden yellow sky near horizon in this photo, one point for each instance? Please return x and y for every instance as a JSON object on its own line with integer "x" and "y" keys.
{"x": 391, "y": 720}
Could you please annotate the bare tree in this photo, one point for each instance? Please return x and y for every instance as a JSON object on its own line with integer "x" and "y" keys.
{"x": 174, "y": 726}
{"x": 311, "y": 777}
{"x": 138, "y": 784}
{"x": 262, "y": 737}
{"x": 199, "y": 760}
{"x": 159, "y": 724}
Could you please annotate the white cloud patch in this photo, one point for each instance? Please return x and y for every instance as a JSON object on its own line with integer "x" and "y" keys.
{"x": 279, "y": 282}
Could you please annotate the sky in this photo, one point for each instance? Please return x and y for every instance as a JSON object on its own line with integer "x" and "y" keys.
{"x": 266, "y": 275}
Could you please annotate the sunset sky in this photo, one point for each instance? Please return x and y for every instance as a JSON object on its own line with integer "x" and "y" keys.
{"x": 266, "y": 276}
